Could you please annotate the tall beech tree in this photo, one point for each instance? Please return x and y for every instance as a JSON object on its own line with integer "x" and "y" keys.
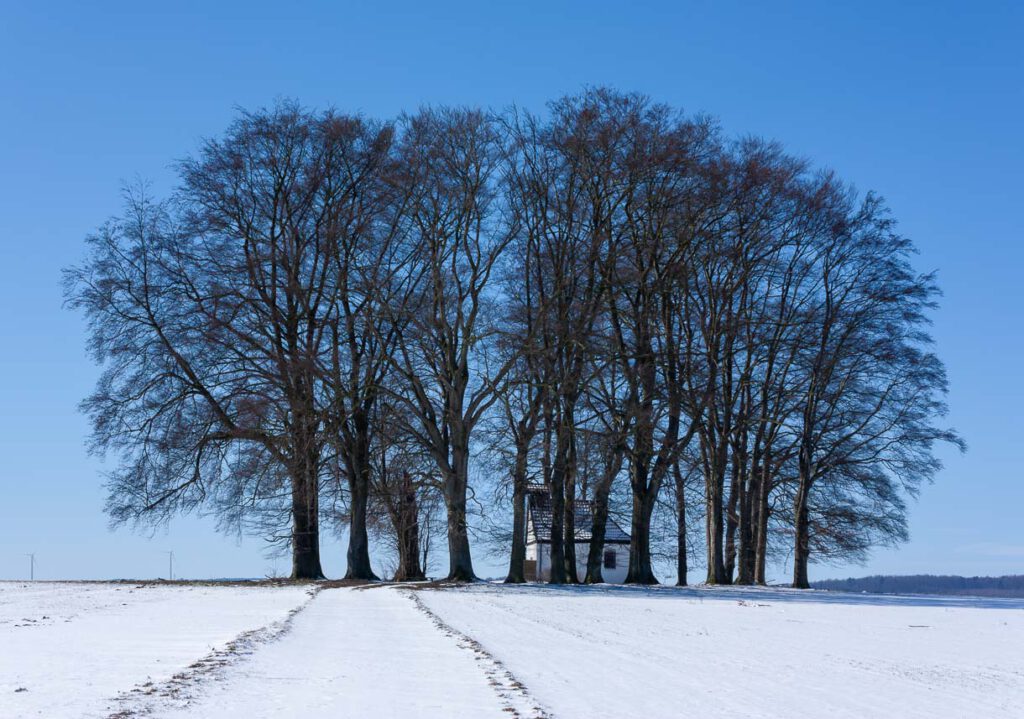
{"x": 570, "y": 189}
{"x": 521, "y": 405}
{"x": 361, "y": 220}
{"x": 775, "y": 334}
{"x": 872, "y": 386}
{"x": 526, "y": 399}
{"x": 767, "y": 222}
{"x": 443, "y": 308}
{"x": 666, "y": 175}
{"x": 212, "y": 324}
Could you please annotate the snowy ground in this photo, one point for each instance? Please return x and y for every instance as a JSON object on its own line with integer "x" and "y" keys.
{"x": 102, "y": 650}
{"x": 617, "y": 652}
{"x": 70, "y": 649}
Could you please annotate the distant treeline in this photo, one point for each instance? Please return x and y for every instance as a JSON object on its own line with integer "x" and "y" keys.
{"x": 1009, "y": 586}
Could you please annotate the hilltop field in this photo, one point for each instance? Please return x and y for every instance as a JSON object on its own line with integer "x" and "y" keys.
{"x": 202, "y": 650}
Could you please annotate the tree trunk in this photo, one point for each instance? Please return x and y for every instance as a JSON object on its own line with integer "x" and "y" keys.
{"x": 747, "y": 554}
{"x": 598, "y": 530}
{"x": 599, "y": 524}
{"x": 517, "y": 557}
{"x": 640, "y": 571}
{"x": 801, "y": 549}
{"x": 358, "y": 462}
{"x": 305, "y": 517}
{"x": 558, "y": 509}
{"x": 732, "y": 520}
{"x": 801, "y": 512}
{"x": 745, "y": 531}
{"x": 407, "y": 530}
{"x": 763, "y": 493}
{"x": 644, "y": 485}
{"x": 715, "y": 531}
{"x": 682, "y": 568}
{"x": 460, "y": 561}
{"x": 571, "y": 575}
{"x": 358, "y": 555}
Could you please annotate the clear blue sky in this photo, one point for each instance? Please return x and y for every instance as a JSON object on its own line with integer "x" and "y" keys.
{"x": 922, "y": 101}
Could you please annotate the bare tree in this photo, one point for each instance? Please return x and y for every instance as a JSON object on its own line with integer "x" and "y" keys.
{"x": 872, "y": 387}
{"x": 568, "y": 183}
{"x": 212, "y": 323}
{"x": 444, "y": 308}
{"x": 663, "y": 216}
{"x": 404, "y": 494}
{"x": 362, "y": 218}
{"x": 521, "y": 406}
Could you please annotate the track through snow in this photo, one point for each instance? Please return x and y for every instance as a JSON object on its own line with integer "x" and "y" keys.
{"x": 595, "y": 652}
{"x": 367, "y": 652}
{"x": 254, "y": 652}
{"x": 69, "y": 649}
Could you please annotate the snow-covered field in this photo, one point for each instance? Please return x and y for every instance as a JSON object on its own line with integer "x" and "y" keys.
{"x": 70, "y": 649}
{"x": 106, "y": 650}
{"x": 624, "y": 652}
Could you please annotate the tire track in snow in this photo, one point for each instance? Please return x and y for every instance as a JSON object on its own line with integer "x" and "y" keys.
{"x": 514, "y": 695}
{"x": 142, "y": 700}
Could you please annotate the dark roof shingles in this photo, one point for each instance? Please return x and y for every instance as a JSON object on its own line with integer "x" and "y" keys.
{"x": 540, "y": 516}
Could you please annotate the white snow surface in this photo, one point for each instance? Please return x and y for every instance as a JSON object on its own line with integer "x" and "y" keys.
{"x": 586, "y": 652}
{"x": 105, "y": 650}
{"x": 69, "y": 649}
{"x": 357, "y": 653}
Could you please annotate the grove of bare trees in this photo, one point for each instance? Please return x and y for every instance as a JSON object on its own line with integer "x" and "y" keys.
{"x": 394, "y": 329}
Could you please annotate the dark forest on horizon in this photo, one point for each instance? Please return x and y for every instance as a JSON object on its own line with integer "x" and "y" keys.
{"x": 1005, "y": 586}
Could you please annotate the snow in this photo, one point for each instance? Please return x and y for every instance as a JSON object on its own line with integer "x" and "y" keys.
{"x": 69, "y": 649}
{"x": 356, "y": 653}
{"x": 666, "y": 652}
{"x": 103, "y": 650}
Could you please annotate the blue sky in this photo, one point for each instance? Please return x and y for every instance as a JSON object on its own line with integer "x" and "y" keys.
{"x": 921, "y": 101}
